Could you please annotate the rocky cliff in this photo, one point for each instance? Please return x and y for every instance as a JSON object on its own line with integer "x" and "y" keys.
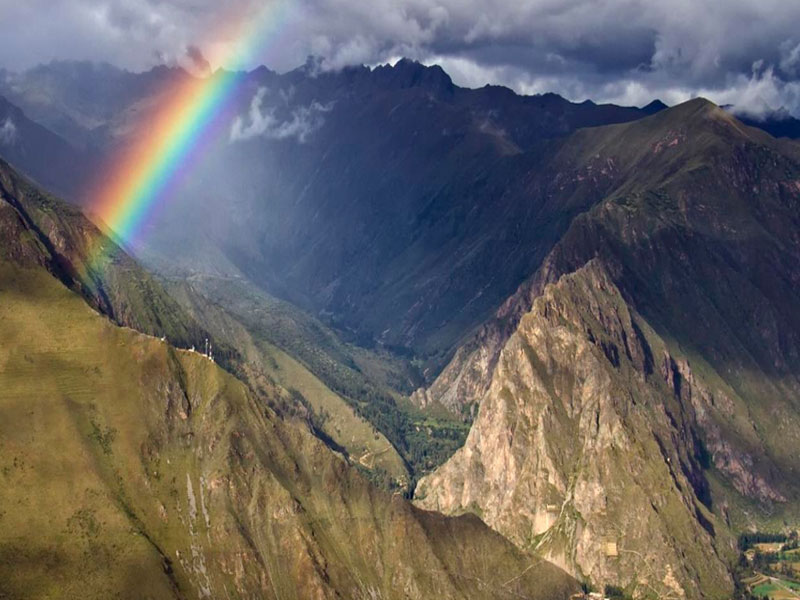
{"x": 582, "y": 451}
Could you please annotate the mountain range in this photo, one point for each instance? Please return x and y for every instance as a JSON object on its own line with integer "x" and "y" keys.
{"x": 575, "y": 323}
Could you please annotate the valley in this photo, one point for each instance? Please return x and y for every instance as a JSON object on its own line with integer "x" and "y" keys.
{"x": 151, "y": 471}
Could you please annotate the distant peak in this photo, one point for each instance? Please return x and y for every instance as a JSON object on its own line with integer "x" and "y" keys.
{"x": 654, "y": 107}
{"x": 406, "y": 73}
{"x": 700, "y": 101}
{"x": 695, "y": 106}
{"x": 262, "y": 71}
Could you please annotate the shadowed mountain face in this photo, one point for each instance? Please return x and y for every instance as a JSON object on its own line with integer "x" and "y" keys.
{"x": 779, "y": 124}
{"x": 401, "y": 207}
{"x": 134, "y": 469}
{"x": 42, "y": 154}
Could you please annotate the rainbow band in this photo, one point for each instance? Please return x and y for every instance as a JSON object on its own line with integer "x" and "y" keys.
{"x": 149, "y": 181}
{"x": 190, "y": 116}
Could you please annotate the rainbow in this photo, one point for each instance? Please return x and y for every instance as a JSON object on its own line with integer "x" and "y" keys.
{"x": 170, "y": 142}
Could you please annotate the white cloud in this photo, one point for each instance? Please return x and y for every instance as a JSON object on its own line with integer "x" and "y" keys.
{"x": 8, "y": 132}
{"x": 262, "y": 121}
{"x": 634, "y": 50}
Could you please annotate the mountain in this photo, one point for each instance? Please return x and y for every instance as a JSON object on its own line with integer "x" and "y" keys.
{"x": 581, "y": 450}
{"x": 42, "y": 154}
{"x": 398, "y": 207}
{"x": 604, "y": 296}
{"x": 348, "y": 193}
{"x": 641, "y": 387}
{"x": 83, "y": 102}
{"x": 44, "y": 231}
{"x": 134, "y": 469}
{"x": 40, "y": 230}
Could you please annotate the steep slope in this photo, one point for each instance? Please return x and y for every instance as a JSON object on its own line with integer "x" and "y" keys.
{"x": 171, "y": 480}
{"x": 404, "y": 218}
{"x": 395, "y": 205}
{"x": 373, "y": 383}
{"x": 698, "y": 233}
{"x": 43, "y": 230}
{"x": 260, "y": 332}
{"x": 40, "y": 230}
{"x": 582, "y": 451}
{"x": 41, "y": 154}
{"x": 691, "y": 184}
{"x": 131, "y": 469}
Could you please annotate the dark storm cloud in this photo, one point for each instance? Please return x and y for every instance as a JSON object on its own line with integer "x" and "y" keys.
{"x": 745, "y": 52}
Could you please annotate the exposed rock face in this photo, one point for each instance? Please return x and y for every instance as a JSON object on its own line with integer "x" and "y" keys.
{"x": 465, "y": 379}
{"x": 582, "y": 450}
{"x": 712, "y": 409}
{"x": 694, "y": 193}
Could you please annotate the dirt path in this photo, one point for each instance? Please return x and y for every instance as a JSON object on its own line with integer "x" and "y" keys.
{"x": 363, "y": 460}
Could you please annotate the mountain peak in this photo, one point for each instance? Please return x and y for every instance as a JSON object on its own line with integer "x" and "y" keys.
{"x": 654, "y": 107}
{"x": 408, "y": 73}
{"x": 692, "y": 110}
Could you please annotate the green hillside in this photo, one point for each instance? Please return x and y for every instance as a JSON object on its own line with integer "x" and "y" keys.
{"x": 41, "y": 230}
{"x": 263, "y": 364}
{"x": 373, "y": 383}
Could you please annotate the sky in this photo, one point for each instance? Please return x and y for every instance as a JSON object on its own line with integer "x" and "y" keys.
{"x": 741, "y": 52}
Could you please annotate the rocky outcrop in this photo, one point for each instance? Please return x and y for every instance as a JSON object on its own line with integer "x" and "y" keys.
{"x": 712, "y": 409}
{"x": 465, "y": 379}
{"x": 582, "y": 450}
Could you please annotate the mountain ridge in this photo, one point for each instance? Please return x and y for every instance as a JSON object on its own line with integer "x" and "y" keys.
{"x": 697, "y": 237}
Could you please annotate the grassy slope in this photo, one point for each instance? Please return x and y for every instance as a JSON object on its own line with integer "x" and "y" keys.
{"x": 264, "y": 361}
{"x": 131, "y": 470}
{"x": 373, "y": 383}
{"x": 42, "y": 230}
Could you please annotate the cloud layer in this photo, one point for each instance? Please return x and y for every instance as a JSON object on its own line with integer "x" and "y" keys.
{"x": 8, "y": 132}
{"x": 262, "y": 121}
{"x": 630, "y": 51}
